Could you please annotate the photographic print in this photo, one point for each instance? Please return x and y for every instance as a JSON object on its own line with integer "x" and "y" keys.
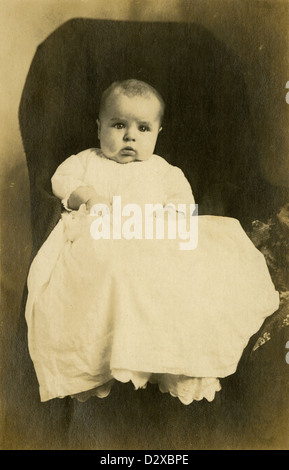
{"x": 144, "y": 227}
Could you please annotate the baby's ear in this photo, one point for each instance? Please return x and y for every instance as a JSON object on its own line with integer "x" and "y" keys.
{"x": 98, "y": 127}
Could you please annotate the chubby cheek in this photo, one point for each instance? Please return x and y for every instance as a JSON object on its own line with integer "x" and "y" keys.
{"x": 146, "y": 150}
{"x": 109, "y": 141}
{"x": 149, "y": 145}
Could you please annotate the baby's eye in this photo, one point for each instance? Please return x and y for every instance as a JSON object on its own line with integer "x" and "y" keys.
{"x": 118, "y": 125}
{"x": 143, "y": 128}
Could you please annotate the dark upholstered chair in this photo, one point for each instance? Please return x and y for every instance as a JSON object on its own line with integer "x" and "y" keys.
{"x": 208, "y": 133}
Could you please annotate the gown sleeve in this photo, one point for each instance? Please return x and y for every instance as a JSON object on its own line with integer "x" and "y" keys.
{"x": 69, "y": 176}
{"x": 178, "y": 189}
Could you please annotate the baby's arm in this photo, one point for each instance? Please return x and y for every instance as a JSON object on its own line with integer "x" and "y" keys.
{"x": 179, "y": 194}
{"x": 69, "y": 185}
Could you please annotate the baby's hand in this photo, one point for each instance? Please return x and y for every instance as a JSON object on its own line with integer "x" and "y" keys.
{"x": 79, "y": 196}
{"x": 85, "y": 195}
{"x": 96, "y": 199}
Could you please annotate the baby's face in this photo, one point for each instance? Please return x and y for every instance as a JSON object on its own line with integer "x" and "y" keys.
{"x": 129, "y": 127}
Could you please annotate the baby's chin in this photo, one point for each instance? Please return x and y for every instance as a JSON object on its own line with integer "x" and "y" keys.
{"x": 123, "y": 159}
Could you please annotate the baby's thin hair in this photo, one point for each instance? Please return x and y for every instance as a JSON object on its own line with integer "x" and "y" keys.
{"x": 131, "y": 88}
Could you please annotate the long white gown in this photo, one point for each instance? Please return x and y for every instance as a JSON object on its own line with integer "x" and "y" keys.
{"x": 100, "y": 310}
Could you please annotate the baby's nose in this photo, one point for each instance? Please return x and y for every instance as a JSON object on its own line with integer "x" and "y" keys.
{"x": 129, "y": 135}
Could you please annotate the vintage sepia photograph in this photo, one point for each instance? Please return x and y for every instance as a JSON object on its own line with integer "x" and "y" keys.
{"x": 144, "y": 227}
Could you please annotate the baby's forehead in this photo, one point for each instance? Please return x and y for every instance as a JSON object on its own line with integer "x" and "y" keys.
{"x": 119, "y": 93}
{"x": 119, "y": 102}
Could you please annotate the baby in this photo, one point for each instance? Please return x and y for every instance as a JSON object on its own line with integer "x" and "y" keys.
{"x": 133, "y": 309}
{"x": 129, "y": 123}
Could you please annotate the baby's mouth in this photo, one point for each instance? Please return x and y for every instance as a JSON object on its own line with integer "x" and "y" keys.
{"x": 128, "y": 151}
